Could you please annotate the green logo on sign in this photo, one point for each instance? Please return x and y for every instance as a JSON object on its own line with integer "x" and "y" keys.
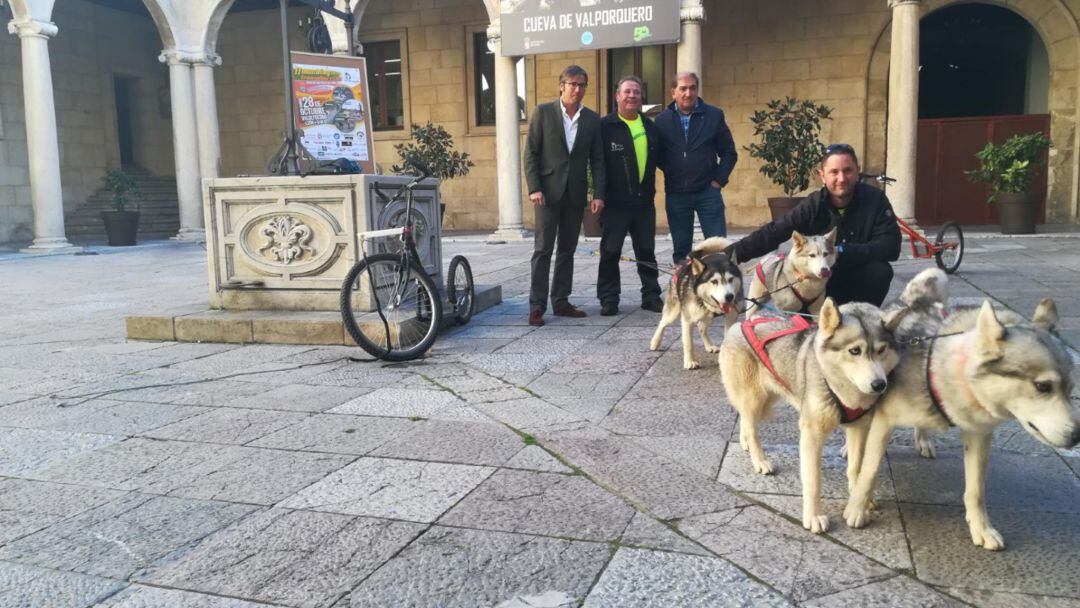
{"x": 641, "y": 33}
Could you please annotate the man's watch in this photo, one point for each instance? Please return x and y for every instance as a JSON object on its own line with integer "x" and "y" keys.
{"x": 840, "y": 248}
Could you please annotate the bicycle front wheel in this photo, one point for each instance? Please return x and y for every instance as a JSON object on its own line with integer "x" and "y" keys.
{"x": 390, "y": 307}
{"x": 460, "y": 289}
{"x": 950, "y": 246}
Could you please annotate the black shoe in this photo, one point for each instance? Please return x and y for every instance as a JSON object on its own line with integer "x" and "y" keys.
{"x": 652, "y": 303}
{"x": 609, "y": 309}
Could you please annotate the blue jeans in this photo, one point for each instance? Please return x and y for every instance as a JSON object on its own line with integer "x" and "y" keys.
{"x": 709, "y": 205}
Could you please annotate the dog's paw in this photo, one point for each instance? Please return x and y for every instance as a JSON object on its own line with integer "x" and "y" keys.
{"x": 843, "y": 451}
{"x": 691, "y": 364}
{"x": 872, "y": 505}
{"x": 856, "y": 517}
{"x": 818, "y": 524}
{"x": 763, "y": 466}
{"x": 987, "y": 538}
{"x": 712, "y": 348}
{"x": 925, "y": 447}
{"x": 655, "y": 344}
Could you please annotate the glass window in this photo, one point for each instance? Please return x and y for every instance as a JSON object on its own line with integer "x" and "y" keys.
{"x": 484, "y": 89}
{"x": 384, "y": 80}
{"x": 645, "y": 62}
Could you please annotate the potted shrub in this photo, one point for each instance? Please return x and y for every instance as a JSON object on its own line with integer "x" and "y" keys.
{"x": 1008, "y": 169}
{"x": 789, "y": 146}
{"x": 433, "y": 148}
{"x": 121, "y": 223}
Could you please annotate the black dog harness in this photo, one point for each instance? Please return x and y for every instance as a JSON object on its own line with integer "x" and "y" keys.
{"x": 797, "y": 325}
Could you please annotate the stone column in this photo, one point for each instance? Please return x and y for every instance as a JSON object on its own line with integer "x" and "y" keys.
{"x": 903, "y": 105}
{"x": 206, "y": 113}
{"x": 42, "y": 144}
{"x": 688, "y": 53}
{"x": 507, "y": 145}
{"x": 185, "y": 145}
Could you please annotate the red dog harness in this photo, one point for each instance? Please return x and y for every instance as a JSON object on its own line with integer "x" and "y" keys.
{"x": 761, "y": 277}
{"x": 798, "y": 325}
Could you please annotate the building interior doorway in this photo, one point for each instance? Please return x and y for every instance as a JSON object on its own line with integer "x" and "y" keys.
{"x": 124, "y": 93}
{"x": 984, "y": 76}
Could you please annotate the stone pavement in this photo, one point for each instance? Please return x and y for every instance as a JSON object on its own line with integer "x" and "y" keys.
{"x": 515, "y": 466}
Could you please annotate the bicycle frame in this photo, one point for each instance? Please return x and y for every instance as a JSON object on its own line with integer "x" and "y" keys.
{"x": 928, "y": 249}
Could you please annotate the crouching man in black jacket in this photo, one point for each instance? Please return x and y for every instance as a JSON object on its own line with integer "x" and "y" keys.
{"x": 630, "y": 162}
{"x": 867, "y": 235}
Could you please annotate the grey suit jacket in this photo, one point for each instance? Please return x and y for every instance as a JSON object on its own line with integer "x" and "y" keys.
{"x": 550, "y": 169}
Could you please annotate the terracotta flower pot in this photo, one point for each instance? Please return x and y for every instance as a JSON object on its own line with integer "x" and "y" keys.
{"x": 779, "y": 206}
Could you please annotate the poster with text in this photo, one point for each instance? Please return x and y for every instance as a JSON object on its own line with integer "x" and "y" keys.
{"x": 551, "y": 26}
{"x": 331, "y": 103}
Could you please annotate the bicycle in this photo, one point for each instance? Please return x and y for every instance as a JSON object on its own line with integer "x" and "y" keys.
{"x": 947, "y": 248}
{"x": 390, "y": 306}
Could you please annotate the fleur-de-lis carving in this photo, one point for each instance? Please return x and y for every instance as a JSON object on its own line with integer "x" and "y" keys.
{"x": 287, "y": 239}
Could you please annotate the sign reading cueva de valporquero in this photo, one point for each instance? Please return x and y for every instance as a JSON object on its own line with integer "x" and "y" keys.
{"x": 551, "y": 26}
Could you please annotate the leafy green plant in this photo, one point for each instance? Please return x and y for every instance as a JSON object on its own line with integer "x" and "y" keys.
{"x": 1010, "y": 167}
{"x": 121, "y": 185}
{"x": 432, "y": 147}
{"x": 789, "y": 146}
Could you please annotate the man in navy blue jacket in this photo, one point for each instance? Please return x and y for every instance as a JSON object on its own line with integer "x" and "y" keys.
{"x": 697, "y": 155}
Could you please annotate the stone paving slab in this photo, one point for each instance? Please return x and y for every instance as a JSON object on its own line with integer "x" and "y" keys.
{"x": 300, "y": 398}
{"x": 646, "y": 532}
{"x": 295, "y": 558}
{"x": 121, "y": 538}
{"x": 338, "y": 433}
{"x": 27, "y": 587}
{"x": 653, "y": 579}
{"x": 548, "y": 504}
{"x": 194, "y": 470}
{"x": 481, "y": 443}
{"x": 101, "y": 416}
{"x": 468, "y": 568}
{"x": 143, "y": 596}
{"x": 228, "y": 425}
{"x": 897, "y": 592}
{"x": 799, "y": 564}
{"x": 394, "y": 489}
{"x": 29, "y": 506}
{"x": 26, "y": 450}
{"x": 534, "y": 458}
{"x": 738, "y": 472}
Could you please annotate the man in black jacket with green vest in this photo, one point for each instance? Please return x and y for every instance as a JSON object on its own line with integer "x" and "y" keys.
{"x": 630, "y": 162}
{"x": 867, "y": 235}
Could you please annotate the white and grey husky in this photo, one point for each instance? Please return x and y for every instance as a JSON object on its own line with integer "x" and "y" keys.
{"x": 984, "y": 367}
{"x": 708, "y": 286}
{"x": 831, "y": 374}
{"x": 795, "y": 281}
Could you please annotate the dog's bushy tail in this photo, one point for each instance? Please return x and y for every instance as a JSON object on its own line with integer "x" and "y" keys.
{"x": 929, "y": 286}
{"x": 715, "y": 244}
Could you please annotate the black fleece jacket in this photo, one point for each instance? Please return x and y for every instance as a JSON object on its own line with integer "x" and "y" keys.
{"x": 867, "y": 231}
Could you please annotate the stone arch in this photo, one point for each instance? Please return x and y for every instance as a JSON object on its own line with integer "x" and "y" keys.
{"x": 38, "y": 10}
{"x": 161, "y": 21}
{"x": 1060, "y": 33}
{"x": 213, "y": 27}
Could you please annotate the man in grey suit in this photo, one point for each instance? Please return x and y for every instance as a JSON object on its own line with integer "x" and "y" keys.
{"x": 564, "y": 138}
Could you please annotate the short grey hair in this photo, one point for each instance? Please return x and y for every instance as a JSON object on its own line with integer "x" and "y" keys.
{"x": 680, "y": 75}
{"x": 630, "y": 78}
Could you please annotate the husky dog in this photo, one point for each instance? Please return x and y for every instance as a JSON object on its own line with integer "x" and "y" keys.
{"x": 795, "y": 281}
{"x": 708, "y": 286}
{"x": 832, "y": 374}
{"x": 982, "y": 368}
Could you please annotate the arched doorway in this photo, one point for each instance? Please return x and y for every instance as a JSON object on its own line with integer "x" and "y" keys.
{"x": 984, "y": 76}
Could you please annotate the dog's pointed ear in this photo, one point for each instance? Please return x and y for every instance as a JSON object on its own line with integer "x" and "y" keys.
{"x": 798, "y": 239}
{"x": 696, "y": 266}
{"x": 730, "y": 251}
{"x": 989, "y": 333}
{"x": 892, "y": 320}
{"x": 1046, "y": 315}
{"x": 829, "y": 317}
{"x": 830, "y": 236}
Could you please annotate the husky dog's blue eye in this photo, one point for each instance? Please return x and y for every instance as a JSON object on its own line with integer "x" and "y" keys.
{"x": 1043, "y": 387}
{"x": 855, "y": 350}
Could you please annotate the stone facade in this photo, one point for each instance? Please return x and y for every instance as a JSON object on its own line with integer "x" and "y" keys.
{"x": 752, "y": 51}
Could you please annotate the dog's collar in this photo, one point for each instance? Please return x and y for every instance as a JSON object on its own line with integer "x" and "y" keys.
{"x": 935, "y": 398}
{"x": 847, "y": 414}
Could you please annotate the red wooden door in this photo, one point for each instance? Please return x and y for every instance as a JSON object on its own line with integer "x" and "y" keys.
{"x": 946, "y": 149}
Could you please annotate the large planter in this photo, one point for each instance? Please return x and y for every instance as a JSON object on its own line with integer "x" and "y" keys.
{"x": 121, "y": 227}
{"x": 1017, "y": 212}
{"x": 779, "y": 206}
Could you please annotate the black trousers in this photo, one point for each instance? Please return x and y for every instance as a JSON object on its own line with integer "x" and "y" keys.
{"x": 556, "y": 224}
{"x": 863, "y": 283}
{"x": 640, "y": 223}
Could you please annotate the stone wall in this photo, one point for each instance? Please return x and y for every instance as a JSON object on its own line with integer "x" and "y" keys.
{"x": 85, "y": 55}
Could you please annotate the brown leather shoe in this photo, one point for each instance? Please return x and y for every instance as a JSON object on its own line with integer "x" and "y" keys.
{"x": 569, "y": 310}
{"x": 536, "y": 317}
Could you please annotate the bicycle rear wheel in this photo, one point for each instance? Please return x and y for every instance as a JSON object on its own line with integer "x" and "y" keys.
{"x": 408, "y": 302}
{"x": 950, "y": 241}
{"x": 460, "y": 289}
